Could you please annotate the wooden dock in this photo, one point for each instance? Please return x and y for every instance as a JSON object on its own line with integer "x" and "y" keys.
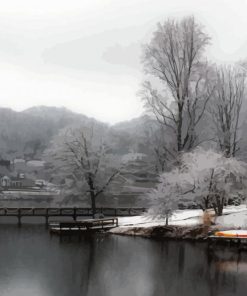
{"x": 73, "y": 213}
{"x": 90, "y": 225}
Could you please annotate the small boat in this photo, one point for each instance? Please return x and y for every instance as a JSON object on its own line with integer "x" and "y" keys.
{"x": 231, "y": 234}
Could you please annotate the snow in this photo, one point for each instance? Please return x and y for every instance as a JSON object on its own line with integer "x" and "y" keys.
{"x": 185, "y": 217}
{"x": 238, "y": 219}
{"x": 233, "y": 216}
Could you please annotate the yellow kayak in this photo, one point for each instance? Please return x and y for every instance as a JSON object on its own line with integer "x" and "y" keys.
{"x": 232, "y": 233}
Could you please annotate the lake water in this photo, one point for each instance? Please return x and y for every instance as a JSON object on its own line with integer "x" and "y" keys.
{"x": 33, "y": 263}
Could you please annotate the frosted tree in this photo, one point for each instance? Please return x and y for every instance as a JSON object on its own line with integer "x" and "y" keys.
{"x": 169, "y": 191}
{"x": 82, "y": 153}
{"x": 228, "y": 97}
{"x": 215, "y": 177}
{"x": 178, "y": 89}
{"x": 204, "y": 176}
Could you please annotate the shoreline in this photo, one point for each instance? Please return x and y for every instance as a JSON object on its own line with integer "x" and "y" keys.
{"x": 184, "y": 224}
{"x": 196, "y": 233}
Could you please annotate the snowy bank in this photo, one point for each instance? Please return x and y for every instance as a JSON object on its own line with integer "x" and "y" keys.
{"x": 182, "y": 224}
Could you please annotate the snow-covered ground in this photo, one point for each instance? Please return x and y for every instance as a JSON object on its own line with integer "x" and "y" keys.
{"x": 233, "y": 216}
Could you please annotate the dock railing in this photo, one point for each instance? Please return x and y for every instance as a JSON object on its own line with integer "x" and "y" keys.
{"x": 74, "y": 212}
{"x": 88, "y": 225}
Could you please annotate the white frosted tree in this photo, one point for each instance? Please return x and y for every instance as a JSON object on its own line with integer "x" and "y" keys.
{"x": 205, "y": 176}
{"x": 215, "y": 177}
{"x": 166, "y": 196}
{"x": 82, "y": 154}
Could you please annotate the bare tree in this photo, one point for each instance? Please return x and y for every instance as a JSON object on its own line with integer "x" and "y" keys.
{"x": 228, "y": 98}
{"x": 174, "y": 57}
{"x": 82, "y": 152}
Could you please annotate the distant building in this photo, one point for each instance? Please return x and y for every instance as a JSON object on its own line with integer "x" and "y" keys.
{"x": 16, "y": 182}
{"x": 5, "y": 182}
{"x": 133, "y": 156}
{"x": 40, "y": 183}
{"x": 19, "y": 164}
{"x": 35, "y": 164}
{"x": 132, "y": 185}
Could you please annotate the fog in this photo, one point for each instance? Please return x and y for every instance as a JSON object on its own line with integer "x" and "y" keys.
{"x": 85, "y": 55}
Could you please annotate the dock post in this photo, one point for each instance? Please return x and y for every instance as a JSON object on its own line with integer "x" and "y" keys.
{"x": 19, "y": 217}
{"x": 46, "y": 221}
{"x": 47, "y": 217}
{"x": 74, "y": 214}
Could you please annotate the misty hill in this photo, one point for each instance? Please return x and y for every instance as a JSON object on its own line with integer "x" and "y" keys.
{"x": 134, "y": 134}
{"x": 57, "y": 115}
{"x": 27, "y": 133}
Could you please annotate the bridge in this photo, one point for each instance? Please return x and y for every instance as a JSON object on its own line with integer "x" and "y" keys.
{"x": 74, "y": 213}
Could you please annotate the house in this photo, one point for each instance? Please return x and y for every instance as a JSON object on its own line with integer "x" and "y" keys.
{"x": 5, "y": 167}
{"x": 40, "y": 183}
{"x": 35, "y": 163}
{"x": 5, "y": 182}
{"x": 132, "y": 185}
{"x": 16, "y": 182}
{"x": 19, "y": 164}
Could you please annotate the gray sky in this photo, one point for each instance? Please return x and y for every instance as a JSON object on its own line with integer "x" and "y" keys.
{"x": 84, "y": 54}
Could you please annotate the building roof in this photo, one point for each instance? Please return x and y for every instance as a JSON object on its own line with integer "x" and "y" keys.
{"x": 19, "y": 160}
{"x": 5, "y": 177}
{"x": 36, "y": 163}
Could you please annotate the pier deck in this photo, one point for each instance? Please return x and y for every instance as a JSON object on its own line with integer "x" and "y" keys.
{"x": 83, "y": 225}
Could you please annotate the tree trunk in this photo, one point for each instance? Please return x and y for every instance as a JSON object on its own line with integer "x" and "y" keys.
{"x": 167, "y": 219}
{"x": 227, "y": 144}
{"x": 92, "y": 194}
{"x": 179, "y": 128}
{"x": 206, "y": 202}
{"x": 218, "y": 205}
{"x": 93, "y": 203}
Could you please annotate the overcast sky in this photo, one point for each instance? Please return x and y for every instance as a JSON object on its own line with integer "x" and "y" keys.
{"x": 84, "y": 54}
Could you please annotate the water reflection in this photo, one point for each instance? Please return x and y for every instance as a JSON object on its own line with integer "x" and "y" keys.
{"x": 34, "y": 263}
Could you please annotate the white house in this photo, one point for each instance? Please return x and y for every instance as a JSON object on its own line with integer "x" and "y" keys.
{"x": 5, "y": 181}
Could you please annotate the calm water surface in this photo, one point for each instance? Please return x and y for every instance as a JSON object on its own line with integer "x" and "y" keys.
{"x": 33, "y": 263}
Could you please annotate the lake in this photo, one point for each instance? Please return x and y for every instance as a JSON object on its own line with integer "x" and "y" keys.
{"x": 33, "y": 263}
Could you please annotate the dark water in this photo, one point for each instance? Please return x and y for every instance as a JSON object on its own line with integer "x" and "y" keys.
{"x": 33, "y": 263}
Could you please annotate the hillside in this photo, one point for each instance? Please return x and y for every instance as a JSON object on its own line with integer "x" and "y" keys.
{"x": 27, "y": 133}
